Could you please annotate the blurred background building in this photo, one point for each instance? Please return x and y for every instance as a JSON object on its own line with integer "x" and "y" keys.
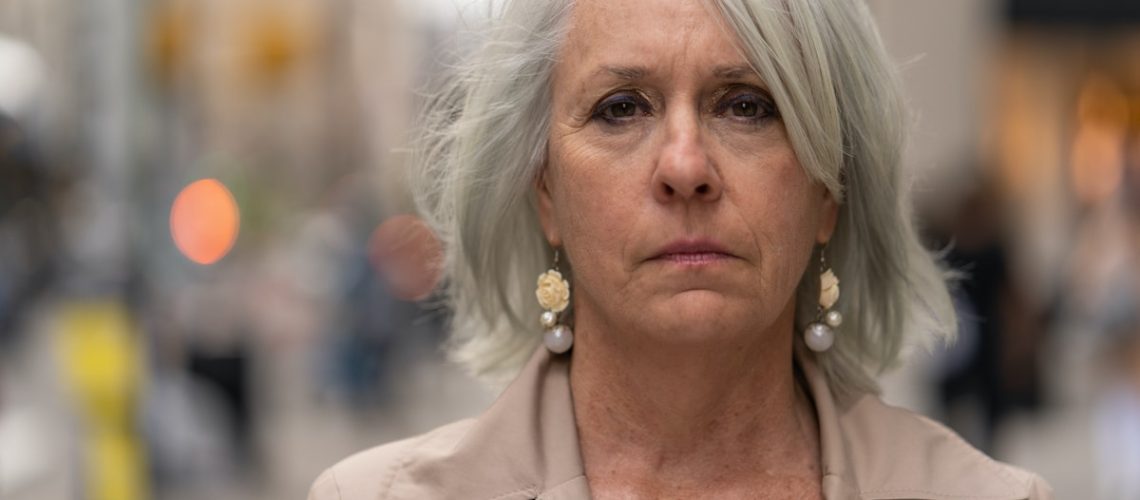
{"x": 209, "y": 283}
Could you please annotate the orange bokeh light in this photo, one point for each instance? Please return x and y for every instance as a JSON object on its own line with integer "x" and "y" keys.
{"x": 204, "y": 221}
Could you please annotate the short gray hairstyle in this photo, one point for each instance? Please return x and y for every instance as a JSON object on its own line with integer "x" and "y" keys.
{"x": 485, "y": 142}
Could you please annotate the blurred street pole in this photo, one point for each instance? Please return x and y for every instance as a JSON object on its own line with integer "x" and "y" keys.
{"x": 100, "y": 247}
{"x": 114, "y": 462}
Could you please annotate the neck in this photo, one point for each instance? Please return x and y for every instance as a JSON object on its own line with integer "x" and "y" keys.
{"x": 684, "y": 411}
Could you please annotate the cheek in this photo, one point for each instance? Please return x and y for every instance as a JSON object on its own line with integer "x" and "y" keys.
{"x": 594, "y": 202}
{"x": 788, "y": 208}
{"x": 783, "y": 214}
{"x": 765, "y": 180}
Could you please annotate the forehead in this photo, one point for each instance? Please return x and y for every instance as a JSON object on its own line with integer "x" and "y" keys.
{"x": 650, "y": 33}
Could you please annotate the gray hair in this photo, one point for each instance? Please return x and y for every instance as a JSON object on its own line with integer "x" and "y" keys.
{"x": 486, "y": 139}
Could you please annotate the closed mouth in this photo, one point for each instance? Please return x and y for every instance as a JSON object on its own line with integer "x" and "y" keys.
{"x": 693, "y": 251}
{"x": 694, "y": 257}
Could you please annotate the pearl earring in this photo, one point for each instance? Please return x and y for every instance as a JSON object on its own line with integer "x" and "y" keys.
{"x": 819, "y": 335}
{"x": 553, "y": 295}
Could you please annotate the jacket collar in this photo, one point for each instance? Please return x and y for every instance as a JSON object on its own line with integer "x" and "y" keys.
{"x": 525, "y": 446}
{"x": 870, "y": 450}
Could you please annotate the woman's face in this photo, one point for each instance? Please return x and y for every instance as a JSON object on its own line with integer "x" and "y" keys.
{"x": 670, "y": 182}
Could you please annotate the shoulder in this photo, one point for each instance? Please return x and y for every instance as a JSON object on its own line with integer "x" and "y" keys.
{"x": 895, "y": 451}
{"x": 369, "y": 473}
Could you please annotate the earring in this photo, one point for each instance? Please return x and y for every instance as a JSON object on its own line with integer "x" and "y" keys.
{"x": 553, "y": 295}
{"x": 819, "y": 335}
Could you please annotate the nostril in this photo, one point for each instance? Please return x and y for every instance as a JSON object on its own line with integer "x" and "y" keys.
{"x": 703, "y": 189}
{"x": 668, "y": 190}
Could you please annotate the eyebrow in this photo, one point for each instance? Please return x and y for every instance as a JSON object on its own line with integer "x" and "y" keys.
{"x": 734, "y": 72}
{"x": 631, "y": 73}
{"x": 628, "y": 73}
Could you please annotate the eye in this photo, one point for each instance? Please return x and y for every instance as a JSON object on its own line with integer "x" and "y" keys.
{"x": 747, "y": 106}
{"x": 620, "y": 108}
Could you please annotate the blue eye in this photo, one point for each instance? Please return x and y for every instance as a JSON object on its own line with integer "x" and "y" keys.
{"x": 620, "y": 108}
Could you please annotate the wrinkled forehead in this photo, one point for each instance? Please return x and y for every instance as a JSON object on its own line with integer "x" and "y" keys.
{"x": 659, "y": 19}
{"x": 651, "y": 34}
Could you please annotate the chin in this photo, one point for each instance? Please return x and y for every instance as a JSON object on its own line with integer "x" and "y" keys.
{"x": 702, "y": 316}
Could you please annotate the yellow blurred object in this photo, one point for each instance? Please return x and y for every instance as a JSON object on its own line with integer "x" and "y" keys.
{"x": 1102, "y": 101}
{"x": 100, "y": 359}
{"x": 168, "y": 40}
{"x": 115, "y": 465}
{"x": 275, "y": 43}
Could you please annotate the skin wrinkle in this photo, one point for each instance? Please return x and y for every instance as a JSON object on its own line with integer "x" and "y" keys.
{"x": 682, "y": 377}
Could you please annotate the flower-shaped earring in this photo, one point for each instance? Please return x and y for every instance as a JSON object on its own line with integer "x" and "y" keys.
{"x": 819, "y": 335}
{"x": 553, "y": 295}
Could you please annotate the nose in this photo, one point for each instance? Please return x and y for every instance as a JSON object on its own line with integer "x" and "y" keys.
{"x": 684, "y": 171}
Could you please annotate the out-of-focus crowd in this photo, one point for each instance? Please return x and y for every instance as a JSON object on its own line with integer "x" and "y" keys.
{"x": 211, "y": 283}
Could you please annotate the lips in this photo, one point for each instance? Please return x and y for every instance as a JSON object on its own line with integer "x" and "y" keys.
{"x": 693, "y": 251}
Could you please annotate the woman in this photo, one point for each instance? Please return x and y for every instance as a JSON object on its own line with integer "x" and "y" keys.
{"x": 701, "y": 175}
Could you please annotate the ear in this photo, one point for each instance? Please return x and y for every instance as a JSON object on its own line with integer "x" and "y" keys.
{"x": 546, "y": 212}
{"x": 829, "y": 217}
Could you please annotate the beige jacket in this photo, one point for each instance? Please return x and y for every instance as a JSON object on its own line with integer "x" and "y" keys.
{"x": 526, "y": 446}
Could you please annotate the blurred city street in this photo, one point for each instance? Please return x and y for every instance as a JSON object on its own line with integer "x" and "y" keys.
{"x": 212, "y": 283}
{"x": 300, "y": 429}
